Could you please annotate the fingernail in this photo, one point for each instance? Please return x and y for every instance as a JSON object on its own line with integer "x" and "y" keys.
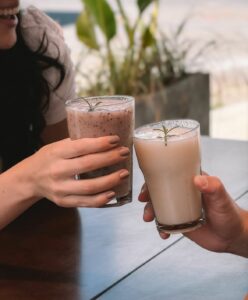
{"x": 124, "y": 174}
{"x": 124, "y": 152}
{"x": 143, "y": 189}
{"x": 146, "y": 210}
{"x": 110, "y": 195}
{"x": 114, "y": 139}
{"x": 164, "y": 235}
{"x": 141, "y": 197}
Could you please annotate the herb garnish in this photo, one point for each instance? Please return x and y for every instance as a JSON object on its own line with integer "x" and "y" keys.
{"x": 92, "y": 107}
{"x": 165, "y": 132}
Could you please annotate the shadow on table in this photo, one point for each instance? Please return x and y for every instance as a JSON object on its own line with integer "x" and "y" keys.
{"x": 40, "y": 253}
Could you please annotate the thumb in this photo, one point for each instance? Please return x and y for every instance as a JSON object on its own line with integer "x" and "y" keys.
{"x": 214, "y": 192}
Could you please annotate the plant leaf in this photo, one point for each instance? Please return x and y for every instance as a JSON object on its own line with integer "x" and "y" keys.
{"x": 143, "y": 4}
{"x": 103, "y": 15}
{"x": 147, "y": 38}
{"x": 85, "y": 30}
{"x": 181, "y": 27}
{"x": 127, "y": 25}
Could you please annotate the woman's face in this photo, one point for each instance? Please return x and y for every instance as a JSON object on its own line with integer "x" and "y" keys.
{"x": 8, "y": 23}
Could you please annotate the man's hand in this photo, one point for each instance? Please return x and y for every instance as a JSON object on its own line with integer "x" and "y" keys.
{"x": 226, "y": 226}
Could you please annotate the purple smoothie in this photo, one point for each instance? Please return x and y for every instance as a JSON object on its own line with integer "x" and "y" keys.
{"x": 114, "y": 115}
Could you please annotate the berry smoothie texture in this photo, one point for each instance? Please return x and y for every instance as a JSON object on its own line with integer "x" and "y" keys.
{"x": 110, "y": 117}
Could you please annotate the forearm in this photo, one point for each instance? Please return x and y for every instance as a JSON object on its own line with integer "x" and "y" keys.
{"x": 16, "y": 192}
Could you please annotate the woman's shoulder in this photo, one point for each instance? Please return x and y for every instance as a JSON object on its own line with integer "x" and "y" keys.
{"x": 33, "y": 17}
{"x": 34, "y": 24}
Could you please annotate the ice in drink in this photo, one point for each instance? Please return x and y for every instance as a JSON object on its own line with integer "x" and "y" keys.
{"x": 169, "y": 163}
{"x": 102, "y": 116}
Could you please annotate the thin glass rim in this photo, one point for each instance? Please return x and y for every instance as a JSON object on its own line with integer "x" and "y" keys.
{"x": 127, "y": 99}
{"x": 196, "y": 127}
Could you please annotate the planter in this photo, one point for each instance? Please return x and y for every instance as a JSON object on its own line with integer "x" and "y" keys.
{"x": 188, "y": 98}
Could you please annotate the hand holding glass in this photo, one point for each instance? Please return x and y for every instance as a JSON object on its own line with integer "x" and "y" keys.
{"x": 102, "y": 116}
{"x": 168, "y": 153}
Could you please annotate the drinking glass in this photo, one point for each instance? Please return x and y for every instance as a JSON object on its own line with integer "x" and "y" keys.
{"x": 169, "y": 156}
{"x": 91, "y": 117}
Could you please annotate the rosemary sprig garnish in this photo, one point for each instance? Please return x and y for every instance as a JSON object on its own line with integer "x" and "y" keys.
{"x": 165, "y": 132}
{"x": 92, "y": 107}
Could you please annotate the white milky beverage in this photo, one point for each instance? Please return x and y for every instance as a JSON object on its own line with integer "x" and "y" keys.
{"x": 169, "y": 166}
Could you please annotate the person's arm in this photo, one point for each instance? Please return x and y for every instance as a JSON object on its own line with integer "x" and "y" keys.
{"x": 241, "y": 247}
{"x": 16, "y": 193}
{"x": 226, "y": 226}
{"x": 50, "y": 173}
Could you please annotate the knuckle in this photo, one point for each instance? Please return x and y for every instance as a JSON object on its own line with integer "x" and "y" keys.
{"x": 217, "y": 183}
{"x": 82, "y": 201}
{"x": 87, "y": 164}
{"x": 102, "y": 142}
{"x": 85, "y": 204}
{"x": 88, "y": 188}
{"x": 114, "y": 155}
{"x": 56, "y": 190}
{"x": 45, "y": 151}
{"x": 58, "y": 200}
{"x": 51, "y": 149}
{"x": 100, "y": 201}
{"x": 116, "y": 178}
{"x": 112, "y": 180}
{"x": 54, "y": 173}
{"x": 78, "y": 146}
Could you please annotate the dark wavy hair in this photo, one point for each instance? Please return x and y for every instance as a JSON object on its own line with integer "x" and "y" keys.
{"x": 24, "y": 97}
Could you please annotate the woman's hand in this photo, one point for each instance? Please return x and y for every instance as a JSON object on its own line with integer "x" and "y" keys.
{"x": 52, "y": 171}
{"x": 226, "y": 226}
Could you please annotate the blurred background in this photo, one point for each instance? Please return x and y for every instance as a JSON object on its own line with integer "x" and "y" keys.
{"x": 223, "y": 21}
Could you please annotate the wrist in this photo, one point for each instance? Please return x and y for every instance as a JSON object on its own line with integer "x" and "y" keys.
{"x": 24, "y": 177}
{"x": 240, "y": 245}
{"x": 16, "y": 192}
{"x": 245, "y": 234}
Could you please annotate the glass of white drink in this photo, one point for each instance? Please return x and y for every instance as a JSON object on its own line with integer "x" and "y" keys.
{"x": 169, "y": 156}
{"x": 89, "y": 117}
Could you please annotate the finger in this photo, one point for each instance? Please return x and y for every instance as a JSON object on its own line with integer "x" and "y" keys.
{"x": 144, "y": 195}
{"x": 74, "y": 148}
{"x": 95, "y": 185}
{"x": 148, "y": 215}
{"x": 164, "y": 235}
{"x": 94, "y": 161}
{"x": 97, "y": 200}
{"x": 213, "y": 191}
{"x": 210, "y": 185}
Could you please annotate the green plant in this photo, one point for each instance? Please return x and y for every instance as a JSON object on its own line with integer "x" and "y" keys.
{"x": 92, "y": 107}
{"x": 150, "y": 59}
{"x": 165, "y": 131}
{"x": 175, "y": 55}
{"x": 122, "y": 70}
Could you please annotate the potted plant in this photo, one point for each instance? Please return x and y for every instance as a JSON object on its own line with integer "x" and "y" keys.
{"x": 144, "y": 63}
{"x": 178, "y": 91}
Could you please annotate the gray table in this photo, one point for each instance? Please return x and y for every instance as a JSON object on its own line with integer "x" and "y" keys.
{"x": 54, "y": 253}
{"x": 124, "y": 258}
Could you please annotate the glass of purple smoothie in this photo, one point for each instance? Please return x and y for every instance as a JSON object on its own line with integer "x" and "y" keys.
{"x": 90, "y": 117}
